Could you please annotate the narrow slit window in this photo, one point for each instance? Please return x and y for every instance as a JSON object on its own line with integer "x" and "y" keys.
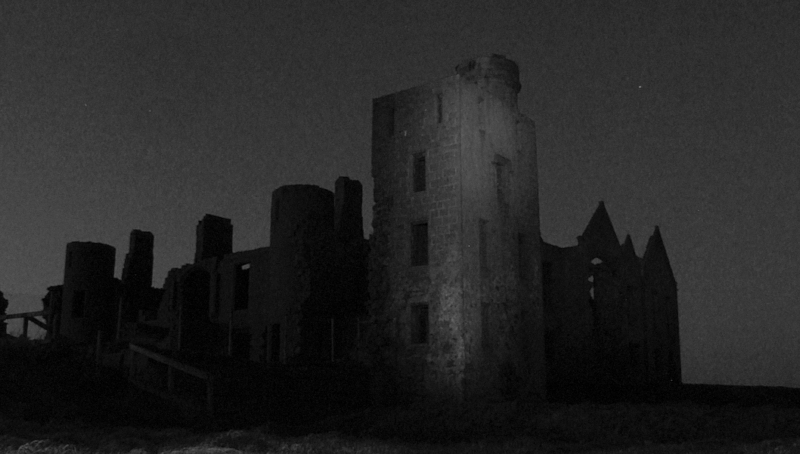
{"x": 420, "y": 182}
{"x": 419, "y": 244}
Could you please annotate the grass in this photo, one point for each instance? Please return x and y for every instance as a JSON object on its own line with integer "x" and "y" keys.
{"x": 53, "y": 401}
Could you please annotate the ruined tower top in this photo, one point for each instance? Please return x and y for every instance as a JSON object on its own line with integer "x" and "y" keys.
{"x": 138, "y": 268}
{"x": 491, "y": 70}
{"x": 214, "y": 237}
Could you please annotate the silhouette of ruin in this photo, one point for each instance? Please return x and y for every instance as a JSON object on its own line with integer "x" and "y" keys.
{"x": 611, "y": 318}
{"x": 454, "y": 294}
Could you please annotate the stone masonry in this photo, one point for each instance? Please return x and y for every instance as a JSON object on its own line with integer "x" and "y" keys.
{"x": 455, "y": 279}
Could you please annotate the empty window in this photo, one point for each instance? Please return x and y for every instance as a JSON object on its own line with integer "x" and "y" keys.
{"x": 419, "y": 323}
{"x": 242, "y": 287}
{"x": 419, "y": 244}
{"x": 78, "y": 303}
{"x": 419, "y": 172}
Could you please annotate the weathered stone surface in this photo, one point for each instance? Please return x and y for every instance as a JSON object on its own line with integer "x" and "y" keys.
{"x": 485, "y": 321}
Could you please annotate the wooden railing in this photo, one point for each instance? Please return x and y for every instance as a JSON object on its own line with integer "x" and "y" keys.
{"x": 172, "y": 366}
{"x": 28, "y": 317}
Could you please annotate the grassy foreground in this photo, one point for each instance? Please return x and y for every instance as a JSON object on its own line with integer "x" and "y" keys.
{"x": 52, "y": 401}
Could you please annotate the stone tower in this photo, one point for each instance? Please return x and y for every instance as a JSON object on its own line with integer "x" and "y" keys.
{"x": 89, "y": 292}
{"x": 455, "y": 277}
{"x": 137, "y": 275}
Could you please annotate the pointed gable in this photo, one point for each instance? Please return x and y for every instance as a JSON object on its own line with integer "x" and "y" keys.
{"x": 599, "y": 236}
{"x": 655, "y": 259}
{"x": 630, "y": 265}
{"x": 627, "y": 247}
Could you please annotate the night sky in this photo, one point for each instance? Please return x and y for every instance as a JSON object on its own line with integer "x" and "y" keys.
{"x": 686, "y": 114}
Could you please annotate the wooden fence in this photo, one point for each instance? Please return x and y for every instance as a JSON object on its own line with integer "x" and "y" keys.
{"x": 29, "y": 317}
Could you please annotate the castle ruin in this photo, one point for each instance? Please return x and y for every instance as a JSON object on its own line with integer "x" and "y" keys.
{"x": 454, "y": 295}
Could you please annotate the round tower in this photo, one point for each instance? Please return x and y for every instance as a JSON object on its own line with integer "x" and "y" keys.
{"x": 88, "y": 303}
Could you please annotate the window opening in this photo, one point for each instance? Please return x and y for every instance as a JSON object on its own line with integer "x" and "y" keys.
{"x": 419, "y": 244}
{"x": 419, "y": 171}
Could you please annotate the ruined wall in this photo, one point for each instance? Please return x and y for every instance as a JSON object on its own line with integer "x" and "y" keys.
{"x": 242, "y": 280}
{"x": 632, "y": 298}
{"x": 454, "y": 168}
{"x": 348, "y": 222}
{"x": 214, "y": 237}
{"x": 612, "y": 318}
{"x": 301, "y": 234}
{"x": 661, "y": 305}
{"x": 569, "y": 334}
{"x": 137, "y": 279}
{"x": 89, "y": 291}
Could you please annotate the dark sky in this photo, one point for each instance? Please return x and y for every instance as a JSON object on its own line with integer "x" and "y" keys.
{"x": 685, "y": 114}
